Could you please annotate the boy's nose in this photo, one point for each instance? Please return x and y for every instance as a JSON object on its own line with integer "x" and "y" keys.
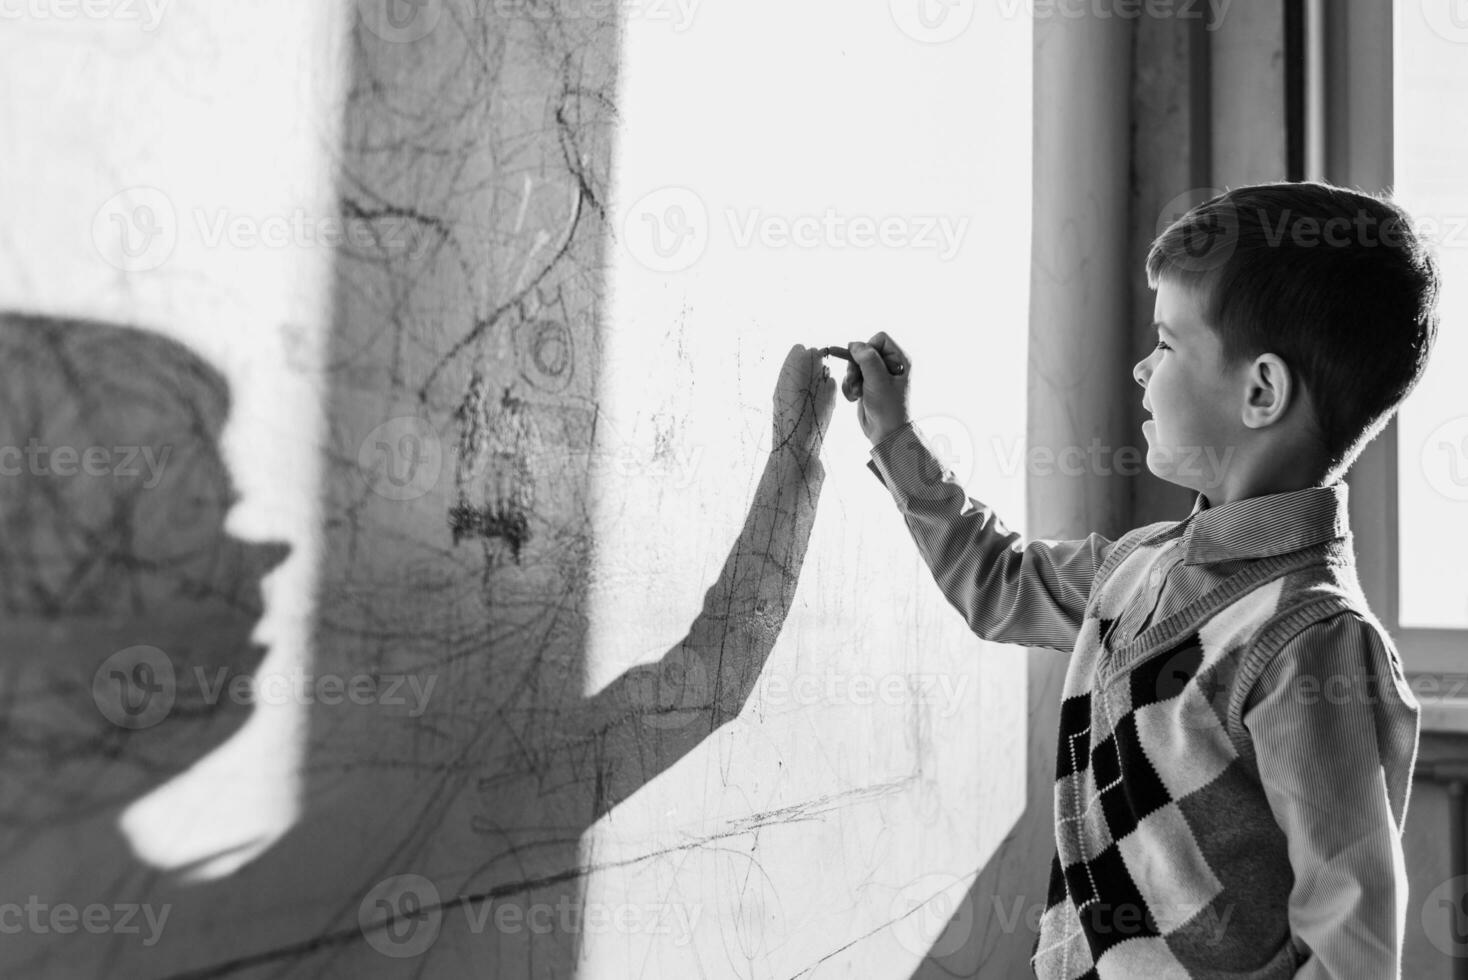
{"x": 1139, "y": 373}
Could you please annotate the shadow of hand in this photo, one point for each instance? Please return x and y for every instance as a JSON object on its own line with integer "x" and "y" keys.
{"x": 805, "y": 398}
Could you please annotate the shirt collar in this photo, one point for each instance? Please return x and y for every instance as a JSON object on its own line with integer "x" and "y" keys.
{"x": 1271, "y": 524}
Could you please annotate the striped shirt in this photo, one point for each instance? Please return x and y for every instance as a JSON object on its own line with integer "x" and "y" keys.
{"x": 1236, "y": 738}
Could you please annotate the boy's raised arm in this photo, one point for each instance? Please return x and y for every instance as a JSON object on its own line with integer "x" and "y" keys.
{"x": 1008, "y": 590}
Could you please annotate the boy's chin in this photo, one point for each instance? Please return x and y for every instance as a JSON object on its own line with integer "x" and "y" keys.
{"x": 1168, "y": 466}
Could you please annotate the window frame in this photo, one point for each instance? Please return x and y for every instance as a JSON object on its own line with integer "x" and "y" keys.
{"x": 1350, "y": 140}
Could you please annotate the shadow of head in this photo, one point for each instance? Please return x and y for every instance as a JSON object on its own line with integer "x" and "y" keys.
{"x": 129, "y": 609}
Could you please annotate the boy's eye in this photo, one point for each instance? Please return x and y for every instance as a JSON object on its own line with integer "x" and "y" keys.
{"x": 1161, "y": 345}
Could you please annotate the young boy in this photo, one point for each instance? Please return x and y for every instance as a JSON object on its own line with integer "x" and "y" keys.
{"x": 1237, "y": 735}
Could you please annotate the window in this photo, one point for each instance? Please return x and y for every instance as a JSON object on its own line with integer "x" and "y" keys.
{"x": 1430, "y": 145}
{"x": 1386, "y": 89}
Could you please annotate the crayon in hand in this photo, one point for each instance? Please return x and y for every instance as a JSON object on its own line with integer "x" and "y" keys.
{"x": 894, "y": 366}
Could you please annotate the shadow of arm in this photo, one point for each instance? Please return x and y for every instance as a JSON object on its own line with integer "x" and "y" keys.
{"x": 654, "y": 714}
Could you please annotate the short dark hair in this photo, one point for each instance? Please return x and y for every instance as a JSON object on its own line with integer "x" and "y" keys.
{"x": 1339, "y": 284}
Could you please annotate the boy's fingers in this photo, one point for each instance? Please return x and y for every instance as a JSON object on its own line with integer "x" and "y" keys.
{"x": 866, "y": 357}
{"x": 887, "y": 346}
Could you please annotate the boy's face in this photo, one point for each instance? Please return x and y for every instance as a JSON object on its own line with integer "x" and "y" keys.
{"x": 1195, "y": 403}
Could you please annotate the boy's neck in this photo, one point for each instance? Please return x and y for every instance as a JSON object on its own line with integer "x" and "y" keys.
{"x": 1243, "y": 482}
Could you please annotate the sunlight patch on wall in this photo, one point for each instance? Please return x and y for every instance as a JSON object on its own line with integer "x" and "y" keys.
{"x": 808, "y": 175}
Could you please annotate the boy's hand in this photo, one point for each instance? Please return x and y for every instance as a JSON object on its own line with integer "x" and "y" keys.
{"x": 881, "y": 397}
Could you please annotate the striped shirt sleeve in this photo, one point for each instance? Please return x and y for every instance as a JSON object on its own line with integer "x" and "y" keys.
{"x": 1008, "y": 590}
{"x": 1324, "y": 717}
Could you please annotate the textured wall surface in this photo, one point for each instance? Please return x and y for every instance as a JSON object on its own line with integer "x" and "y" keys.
{"x": 476, "y": 575}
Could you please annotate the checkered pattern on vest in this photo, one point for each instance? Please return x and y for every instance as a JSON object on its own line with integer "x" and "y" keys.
{"x": 1168, "y": 862}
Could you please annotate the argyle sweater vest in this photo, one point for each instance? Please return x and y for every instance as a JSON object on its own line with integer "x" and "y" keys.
{"x": 1169, "y": 862}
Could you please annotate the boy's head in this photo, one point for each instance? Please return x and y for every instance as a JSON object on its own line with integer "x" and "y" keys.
{"x": 1292, "y": 320}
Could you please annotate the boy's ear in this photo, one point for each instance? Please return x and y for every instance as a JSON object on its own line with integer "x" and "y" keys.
{"x": 1268, "y": 390}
